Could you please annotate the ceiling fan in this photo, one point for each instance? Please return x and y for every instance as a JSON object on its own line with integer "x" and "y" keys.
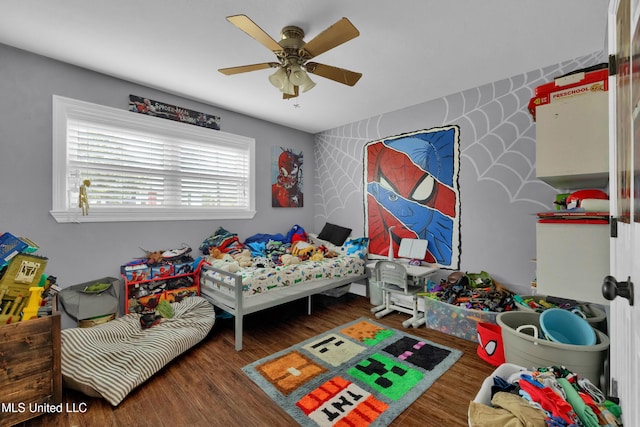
{"x": 294, "y": 53}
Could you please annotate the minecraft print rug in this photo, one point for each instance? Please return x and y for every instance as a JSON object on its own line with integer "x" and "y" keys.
{"x": 361, "y": 373}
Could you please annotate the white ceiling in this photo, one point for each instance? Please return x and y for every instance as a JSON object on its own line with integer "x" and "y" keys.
{"x": 409, "y": 51}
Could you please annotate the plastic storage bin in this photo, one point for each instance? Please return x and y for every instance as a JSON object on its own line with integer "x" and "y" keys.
{"x": 454, "y": 320}
{"x": 337, "y": 292}
{"x": 596, "y": 317}
{"x": 524, "y": 349}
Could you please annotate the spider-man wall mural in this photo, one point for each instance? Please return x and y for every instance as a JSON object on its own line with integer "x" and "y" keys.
{"x": 411, "y": 190}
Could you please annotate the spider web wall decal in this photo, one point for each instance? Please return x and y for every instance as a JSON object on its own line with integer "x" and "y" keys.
{"x": 497, "y": 141}
{"x": 338, "y": 157}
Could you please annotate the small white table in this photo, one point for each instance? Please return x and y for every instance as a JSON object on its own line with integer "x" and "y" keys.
{"x": 418, "y": 275}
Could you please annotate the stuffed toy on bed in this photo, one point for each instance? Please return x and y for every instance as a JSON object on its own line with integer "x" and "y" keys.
{"x": 302, "y": 250}
{"x": 222, "y": 261}
{"x": 243, "y": 258}
{"x": 326, "y": 253}
{"x": 215, "y": 253}
{"x": 317, "y": 256}
{"x": 225, "y": 265}
{"x": 288, "y": 259}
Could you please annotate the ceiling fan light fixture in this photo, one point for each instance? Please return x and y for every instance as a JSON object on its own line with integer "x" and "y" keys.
{"x": 293, "y": 54}
{"x": 297, "y": 74}
{"x": 307, "y": 83}
{"x": 288, "y": 87}
{"x": 279, "y": 79}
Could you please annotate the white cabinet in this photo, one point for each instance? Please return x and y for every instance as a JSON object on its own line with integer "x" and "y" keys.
{"x": 572, "y": 260}
{"x": 572, "y": 136}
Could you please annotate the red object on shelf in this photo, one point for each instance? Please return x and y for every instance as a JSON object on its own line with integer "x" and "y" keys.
{"x": 580, "y": 195}
{"x": 571, "y": 85}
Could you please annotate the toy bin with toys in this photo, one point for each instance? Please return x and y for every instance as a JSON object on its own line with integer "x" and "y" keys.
{"x": 30, "y": 374}
{"x": 455, "y": 320}
{"x": 458, "y": 304}
{"x": 144, "y": 295}
{"x": 592, "y": 313}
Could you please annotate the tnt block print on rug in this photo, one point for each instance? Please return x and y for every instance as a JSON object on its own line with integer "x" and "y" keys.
{"x": 362, "y": 373}
{"x": 341, "y": 400}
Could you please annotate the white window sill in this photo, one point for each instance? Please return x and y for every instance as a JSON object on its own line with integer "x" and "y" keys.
{"x": 105, "y": 215}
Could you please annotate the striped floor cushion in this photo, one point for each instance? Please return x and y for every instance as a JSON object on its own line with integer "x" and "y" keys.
{"x": 112, "y": 359}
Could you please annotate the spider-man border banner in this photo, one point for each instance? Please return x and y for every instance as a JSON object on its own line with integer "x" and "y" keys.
{"x": 411, "y": 189}
{"x": 147, "y": 106}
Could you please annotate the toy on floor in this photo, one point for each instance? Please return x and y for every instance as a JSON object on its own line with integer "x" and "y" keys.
{"x": 35, "y": 300}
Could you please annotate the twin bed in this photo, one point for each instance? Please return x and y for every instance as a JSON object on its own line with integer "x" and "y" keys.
{"x": 267, "y": 283}
{"x": 256, "y": 289}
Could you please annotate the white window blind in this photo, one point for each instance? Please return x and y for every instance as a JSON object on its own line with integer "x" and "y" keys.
{"x": 147, "y": 168}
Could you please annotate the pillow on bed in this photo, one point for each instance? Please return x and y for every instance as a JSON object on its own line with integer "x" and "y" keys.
{"x": 356, "y": 247}
{"x": 334, "y": 234}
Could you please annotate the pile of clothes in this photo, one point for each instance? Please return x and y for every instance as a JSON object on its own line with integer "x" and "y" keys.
{"x": 551, "y": 396}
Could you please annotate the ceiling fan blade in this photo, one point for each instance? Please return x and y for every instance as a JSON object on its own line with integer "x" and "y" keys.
{"x": 339, "y": 75}
{"x": 295, "y": 94}
{"x": 248, "y": 26}
{"x": 340, "y": 32}
{"x": 246, "y": 68}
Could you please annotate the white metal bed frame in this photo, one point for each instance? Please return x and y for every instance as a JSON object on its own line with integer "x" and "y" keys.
{"x": 239, "y": 306}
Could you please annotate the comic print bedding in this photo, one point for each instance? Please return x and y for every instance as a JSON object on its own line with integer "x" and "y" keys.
{"x": 280, "y": 260}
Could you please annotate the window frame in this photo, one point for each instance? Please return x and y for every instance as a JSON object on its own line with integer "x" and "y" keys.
{"x": 64, "y": 211}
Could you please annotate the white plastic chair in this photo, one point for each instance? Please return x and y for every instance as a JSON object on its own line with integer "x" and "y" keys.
{"x": 392, "y": 278}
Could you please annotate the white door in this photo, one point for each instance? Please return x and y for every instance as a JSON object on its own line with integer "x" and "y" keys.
{"x": 624, "y": 327}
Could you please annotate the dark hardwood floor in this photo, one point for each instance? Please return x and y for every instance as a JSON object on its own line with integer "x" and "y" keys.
{"x": 206, "y": 387}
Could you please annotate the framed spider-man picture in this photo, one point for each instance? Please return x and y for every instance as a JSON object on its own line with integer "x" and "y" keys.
{"x": 286, "y": 178}
{"x": 411, "y": 191}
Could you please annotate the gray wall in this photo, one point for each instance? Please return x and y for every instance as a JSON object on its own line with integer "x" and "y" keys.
{"x": 83, "y": 252}
{"x": 498, "y": 189}
{"x": 499, "y": 192}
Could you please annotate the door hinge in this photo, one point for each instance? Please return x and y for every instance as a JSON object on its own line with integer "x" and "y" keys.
{"x": 613, "y": 226}
{"x": 613, "y": 68}
{"x": 614, "y": 388}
